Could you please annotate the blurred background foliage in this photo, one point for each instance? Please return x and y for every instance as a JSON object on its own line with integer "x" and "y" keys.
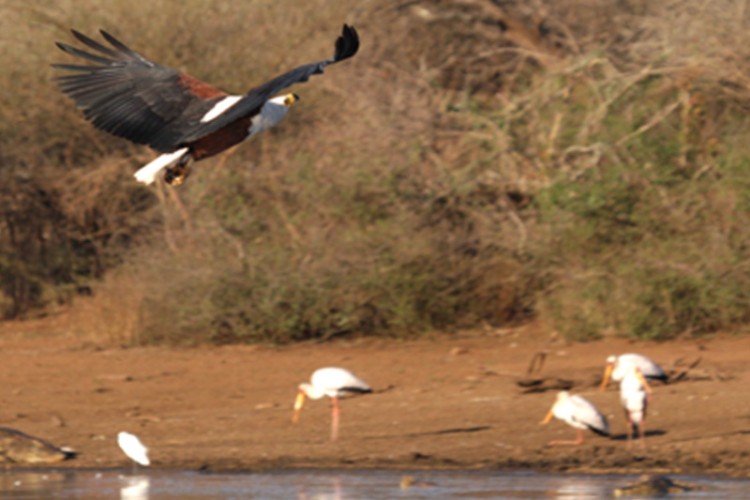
{"x": 583, "y": 164}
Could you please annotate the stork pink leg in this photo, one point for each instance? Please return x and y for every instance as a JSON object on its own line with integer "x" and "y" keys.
{"x": 579, "y": 440}
{"x": 642, "y": 426}
{"x": 630, "y": 430}
{"x": 335, "y": 411}
{"x": 642, "y": 433}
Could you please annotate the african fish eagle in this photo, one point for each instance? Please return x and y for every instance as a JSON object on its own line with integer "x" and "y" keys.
{"x": 183, "y": 118}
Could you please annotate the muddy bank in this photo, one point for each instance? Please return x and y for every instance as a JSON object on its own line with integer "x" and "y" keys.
{"x": 445, "y": 402}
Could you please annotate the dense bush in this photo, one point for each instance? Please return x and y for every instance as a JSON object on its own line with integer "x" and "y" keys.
{"x": 479, "y": 162}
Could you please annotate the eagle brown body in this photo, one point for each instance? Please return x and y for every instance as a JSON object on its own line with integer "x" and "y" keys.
{"x": 223, "y": 139}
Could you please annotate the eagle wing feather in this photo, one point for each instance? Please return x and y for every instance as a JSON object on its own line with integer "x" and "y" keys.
{"x": 130, "y": 96}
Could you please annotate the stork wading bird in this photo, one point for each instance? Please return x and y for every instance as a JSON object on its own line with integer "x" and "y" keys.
{"x": 617, "y": 366}
{"x": 133, "y": 448}
{"x": 334, "y": 383}
{"x": 183, "y": 118}
{"x": 635, "y": 395}
{"x": 579, "y": 414}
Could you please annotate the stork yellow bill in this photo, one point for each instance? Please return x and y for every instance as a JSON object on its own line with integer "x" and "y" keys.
{"x": 127, "y": 95}
{"x": 580, "y": 414}
{"x": 617, "y": 366}
{"x": 332, "y": 382}
{"x": 635, "y": 396}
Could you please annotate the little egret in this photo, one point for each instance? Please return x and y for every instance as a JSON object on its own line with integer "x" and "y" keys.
{"x": 133, "y": 448}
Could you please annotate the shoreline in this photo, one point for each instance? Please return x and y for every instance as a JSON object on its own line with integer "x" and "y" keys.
{"x": 449, "y": 402}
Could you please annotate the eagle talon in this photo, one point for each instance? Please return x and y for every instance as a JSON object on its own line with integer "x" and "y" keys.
{"x": 175, "y": 176}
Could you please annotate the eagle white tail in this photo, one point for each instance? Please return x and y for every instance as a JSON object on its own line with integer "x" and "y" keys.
{"x": 147, "y": 174}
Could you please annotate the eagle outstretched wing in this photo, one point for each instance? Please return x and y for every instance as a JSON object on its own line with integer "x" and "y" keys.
{"x": 129, "y": 96}
{"x": 347, "y": 45}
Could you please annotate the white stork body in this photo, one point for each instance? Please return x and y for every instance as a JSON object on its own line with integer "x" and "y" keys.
{"x": 334, "y": 383}
{"x": 133, "y": 448}
{"x": 635, "y": 395}
{"x": 579, "y": 414}
{"x": 618, "y": 366}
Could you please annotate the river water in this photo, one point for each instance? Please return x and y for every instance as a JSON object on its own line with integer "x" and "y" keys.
{"x": 157, "y": 484}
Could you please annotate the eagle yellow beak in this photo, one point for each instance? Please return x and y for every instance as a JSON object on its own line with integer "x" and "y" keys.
{"x": 298, "y": 406}
{"x": 290, "y": 99}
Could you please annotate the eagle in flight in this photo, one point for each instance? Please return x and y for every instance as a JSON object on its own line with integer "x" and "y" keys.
{"x": 179, "y": 116}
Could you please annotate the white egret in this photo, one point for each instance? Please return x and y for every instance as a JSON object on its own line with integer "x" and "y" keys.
{"x": 334, "y": 383}
{"x": 133, "y": 448}
{"x": 617, "y": 366}
{"x": 635, "y": 394}
{"x": 579, "y": 414}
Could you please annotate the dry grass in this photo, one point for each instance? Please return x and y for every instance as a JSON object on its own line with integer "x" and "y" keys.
{"x": 577, "y": 162}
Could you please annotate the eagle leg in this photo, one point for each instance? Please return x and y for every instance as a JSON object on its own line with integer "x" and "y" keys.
{"x": 175, "y": 176}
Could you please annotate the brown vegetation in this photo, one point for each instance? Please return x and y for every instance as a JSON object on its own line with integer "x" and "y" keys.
{"x": 479, "y": 162}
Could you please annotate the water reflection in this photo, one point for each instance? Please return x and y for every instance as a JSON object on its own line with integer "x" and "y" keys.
{"x": 135, "y": 488}
{"x": 587, "y": 487}
{"x": 331, "y": 485}
{"x": 335, "y": 494}
{"x": 49, "y": 482}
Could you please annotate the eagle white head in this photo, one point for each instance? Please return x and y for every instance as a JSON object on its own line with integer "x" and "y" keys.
{"x": 272, "y": 112}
